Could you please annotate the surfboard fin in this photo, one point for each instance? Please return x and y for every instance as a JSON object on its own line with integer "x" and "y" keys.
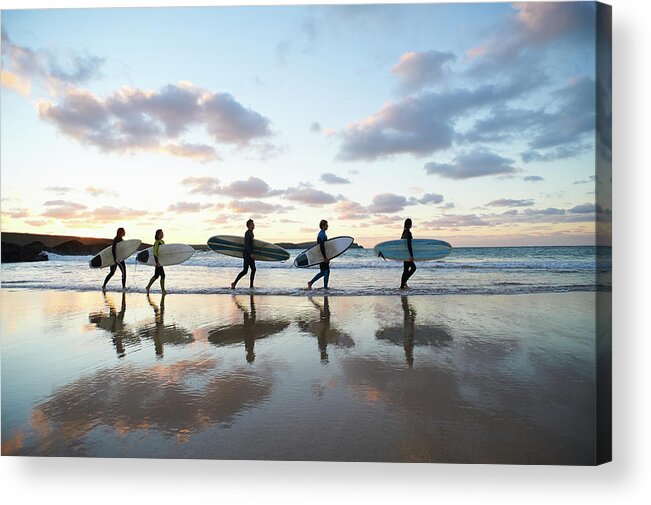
{"x": 381, "y": 256}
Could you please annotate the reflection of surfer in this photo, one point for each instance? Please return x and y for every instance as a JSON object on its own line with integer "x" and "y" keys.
{"x": 409, "y": 323}
{"x": 409, "y": 267}
{"x": 114, "y": 323}
{"x": 249, "y": 258}
{"x": 159, "y": 272}
{"x": 249, "y": 327}
{"x": 159, "y": 313}
{"x": 324, "y": 327}
{"x": 324, "y": 266}
{"x": 119, "y": 237}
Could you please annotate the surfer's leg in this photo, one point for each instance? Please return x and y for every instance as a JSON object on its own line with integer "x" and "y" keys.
{"x": 162, "y": 278}
{"x": 253, "y": 269}
{"x": 153, "y": 279}
{"x": 245, "y": 269}
{"x": 316, "y": 278}
{"x": 326, "y": 277}
{"x": 123, "y": 268}
{"x": 112, "y": 269}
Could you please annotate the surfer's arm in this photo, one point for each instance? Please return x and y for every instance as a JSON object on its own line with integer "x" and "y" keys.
{"x": 409, "y": 248}
{"x": 321, "y": 242}
{"x": 248, "y": 244}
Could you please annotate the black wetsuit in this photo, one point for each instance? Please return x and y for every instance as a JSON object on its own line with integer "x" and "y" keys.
{"x": 117, "y": 264}
{"x": 324, "y": 267}
{"x": 409, "y": 267}
{"x": 248, "y": 260}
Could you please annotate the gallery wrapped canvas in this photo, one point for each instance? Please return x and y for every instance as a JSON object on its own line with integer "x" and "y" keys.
{"x": 370, "y": 233}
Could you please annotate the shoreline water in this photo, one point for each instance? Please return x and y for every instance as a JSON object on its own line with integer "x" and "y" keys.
{"x": 450, "y": 378}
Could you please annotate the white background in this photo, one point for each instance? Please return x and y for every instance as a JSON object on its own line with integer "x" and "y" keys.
{"x": 626, "y": 480}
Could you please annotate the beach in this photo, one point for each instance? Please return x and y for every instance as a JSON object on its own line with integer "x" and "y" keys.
{"x": 503, "y": 378}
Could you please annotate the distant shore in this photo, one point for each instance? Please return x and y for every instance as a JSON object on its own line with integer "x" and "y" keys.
{"x": 25, "y": 247}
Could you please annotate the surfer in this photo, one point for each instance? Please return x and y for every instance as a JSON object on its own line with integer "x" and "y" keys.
{"x": 249, "y": 258}
{"x": 119, "y": 237}
{"x": 159, "y": 272}
{"x": 409, "y": 267}
{"x": 324, "y": 266}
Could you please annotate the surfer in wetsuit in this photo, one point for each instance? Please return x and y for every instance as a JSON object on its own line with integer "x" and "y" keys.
{"x": 159, "y": 272}
{"x": 249, "y": 258}
{"x": 119, "y": 237}
{"x": 324, "y": 267}
{"x": 409, "y": 267}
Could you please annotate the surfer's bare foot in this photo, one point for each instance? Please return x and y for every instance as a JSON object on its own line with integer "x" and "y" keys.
{"x": 103, "y": 289}
{"x": 309, "y": 285}
{"x": 232, "y": 285}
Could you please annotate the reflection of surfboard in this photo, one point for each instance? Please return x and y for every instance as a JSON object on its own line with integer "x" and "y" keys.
{"x": 234, "y": 246}
{"x": 249, "y": 330}
{"x": 424, "y": 249}
{"x": 333, "y": 248}
{"x": 123, "y": 250}
{"x": 424, "y": 335}
{"x": 168, "y": 254}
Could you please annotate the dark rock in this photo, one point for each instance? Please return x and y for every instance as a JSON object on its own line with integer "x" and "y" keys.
{"x": 12, "y": 253}
{"x": 76, "y": 248}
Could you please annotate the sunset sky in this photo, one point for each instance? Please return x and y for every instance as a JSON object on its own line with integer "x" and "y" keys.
{"x": 475, "y": 120}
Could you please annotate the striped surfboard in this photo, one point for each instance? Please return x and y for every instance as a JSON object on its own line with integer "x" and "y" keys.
{"x": 231, "y": 245}
{"x": 424, "y": 249}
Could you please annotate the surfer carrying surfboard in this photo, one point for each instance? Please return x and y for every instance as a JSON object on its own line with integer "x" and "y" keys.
{"x": 324, "y": 267}
{"x": 249, "y": 258}
{"x": 119, "y": 237}
{"x": 409, "y": 267}
{"x": 159, "y": 272}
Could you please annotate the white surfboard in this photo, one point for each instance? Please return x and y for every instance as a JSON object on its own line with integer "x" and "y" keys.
{"x": 333, "y": 248}
{"x": 168, "y": 254}
{"x": 123, "y": 250}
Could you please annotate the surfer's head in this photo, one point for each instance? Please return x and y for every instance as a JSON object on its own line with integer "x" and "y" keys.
{"x": 159, "y": 234}
{"x": 120, "y": 232}
{"x": 323, "y": 224}
{"x": 250, "y": 224}
{"x": 407, "y": 223}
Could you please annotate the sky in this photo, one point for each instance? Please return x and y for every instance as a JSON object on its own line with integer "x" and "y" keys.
{"x": 477, "y": 121}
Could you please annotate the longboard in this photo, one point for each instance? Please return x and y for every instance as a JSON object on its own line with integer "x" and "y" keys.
{"x": 333, "y": 248}
{"x": 234, "y": 246}
{"x": 424, "y": 249}
{"x": 168, "y": 254}
{"x": 123, "y": 250}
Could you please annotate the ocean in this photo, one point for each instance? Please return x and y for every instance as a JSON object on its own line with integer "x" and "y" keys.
{"x": 468, "y": 270}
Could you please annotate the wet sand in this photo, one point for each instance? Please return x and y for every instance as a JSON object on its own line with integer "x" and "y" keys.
{"x": 459, "y": 378}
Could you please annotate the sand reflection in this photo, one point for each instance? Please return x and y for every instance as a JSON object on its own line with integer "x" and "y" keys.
{"x": 175, "y": 400}
{"x": 250, "y": 330}
{"x": 323, "y": 329}
{"x": 411, "y": 333}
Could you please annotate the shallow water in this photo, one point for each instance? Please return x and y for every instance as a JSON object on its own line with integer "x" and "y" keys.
{"x": 499, "y": 379}
{"x": 482, "y": 270}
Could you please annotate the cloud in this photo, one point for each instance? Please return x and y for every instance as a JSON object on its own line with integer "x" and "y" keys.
{"x": 62, "y": 209}
{"x": 455, "y": 221}
{"x": 16, "y": 213}
{"x": 253, "y": 187}
{"x": 590, "y": 179}
{"x": 188, "y": 207}
{"x": 36, "y": 222}
{"x": 59, "y": 189}
{"x": 203, "y": 185}
{"x": 349, "y": 210}
{"x": 256, "y": 207}
{"x": 55, "y": 68}
{"x": 108, "y": 214}
{"x": 478, "y": 163}
{"x": 19, "y": 84}
{"x": 422, "y": 124}
{"x": 509, "y": 202}
{"x": 584, "y": 208}
{"x": 304, "y": 193}
{"x": 315, "y": 127}
{"x": 387, "y": 203}
{"x": 134, "y": 120}
{"x": 534, "y": 26}
{"x": 533, "y": 178}
{"x": 430, "y": 198}
{"x": 330, "y": 178}
{"x": 95, "y": 191}
{"x": 417, "y": 70}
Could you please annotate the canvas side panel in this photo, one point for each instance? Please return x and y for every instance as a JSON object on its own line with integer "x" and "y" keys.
{"x": 603, "y": 192}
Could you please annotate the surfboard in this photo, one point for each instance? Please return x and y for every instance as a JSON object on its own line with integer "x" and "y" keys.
{"x": 333, "y": 248}
{"x": 234, "y": 246}
{"x": 424, "y": 249}
{"x": 168, "y": 254}
{"x": 123, "y": 250}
